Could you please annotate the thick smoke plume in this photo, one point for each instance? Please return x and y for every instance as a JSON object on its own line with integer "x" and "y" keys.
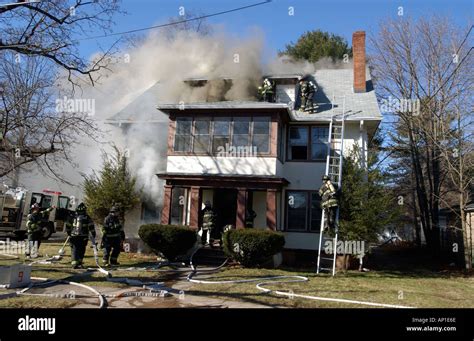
{"x": 160, "y": 65}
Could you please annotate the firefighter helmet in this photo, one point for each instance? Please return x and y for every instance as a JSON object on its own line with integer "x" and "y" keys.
{"x": 35, "y": 206}
{"x": 325, "y": 177}
{"x": 81, "y": 207}
{"x": 114, "y": 209}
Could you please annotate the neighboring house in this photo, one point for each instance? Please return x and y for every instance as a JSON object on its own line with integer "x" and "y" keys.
{"x": 242, "y": 155}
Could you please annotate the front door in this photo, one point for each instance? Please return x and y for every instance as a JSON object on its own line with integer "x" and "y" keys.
{"x": 225, "y": 207}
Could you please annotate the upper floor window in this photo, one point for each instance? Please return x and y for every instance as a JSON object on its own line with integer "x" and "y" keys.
{"x": 202, "y": 134}
{"x": 206, "y": 135}
{"x": 307, "y": 143}
{"x": 261, "y": 134}
{"x": 221, "y": 135}
{"x": 182, "y": 140}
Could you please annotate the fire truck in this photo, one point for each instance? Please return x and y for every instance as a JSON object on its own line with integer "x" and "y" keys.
{"x": 15, "y": 204}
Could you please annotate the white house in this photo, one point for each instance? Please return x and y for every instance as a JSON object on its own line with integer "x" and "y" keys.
{"x": 263, "y": 156}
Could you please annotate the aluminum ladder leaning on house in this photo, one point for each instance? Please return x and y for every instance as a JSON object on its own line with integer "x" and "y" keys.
{"x": 334, "y": 171}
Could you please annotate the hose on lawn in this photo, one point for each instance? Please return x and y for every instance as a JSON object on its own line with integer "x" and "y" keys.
{"x": 45, "y": 281}
{"x": 279, "y": 280}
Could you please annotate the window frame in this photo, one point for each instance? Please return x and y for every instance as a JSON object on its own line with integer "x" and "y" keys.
{"x": 308, "y": 214}
{"x": 212, "y": 119}
{"x": 176, "y": 135}
{"x": 309, "y": 128}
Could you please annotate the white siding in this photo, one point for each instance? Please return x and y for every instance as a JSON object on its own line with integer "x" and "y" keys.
{"x": 301, "y": 241}
{"x": 285, "y": 93}
{"x": 222, "y": 165}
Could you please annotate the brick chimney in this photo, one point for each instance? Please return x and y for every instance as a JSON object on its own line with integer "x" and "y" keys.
{"x": 358, "y": 54}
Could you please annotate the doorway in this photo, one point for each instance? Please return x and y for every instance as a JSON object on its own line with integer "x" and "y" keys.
{"x": 225, "y": 207}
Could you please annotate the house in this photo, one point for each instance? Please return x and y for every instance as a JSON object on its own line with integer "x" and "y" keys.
{"x": 262, "y": 156}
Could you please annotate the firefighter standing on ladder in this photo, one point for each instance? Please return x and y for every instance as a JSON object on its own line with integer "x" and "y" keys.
{"x": 329, "y": 202}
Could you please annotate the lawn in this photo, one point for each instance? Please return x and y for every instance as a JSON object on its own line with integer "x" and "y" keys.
{"x": 427, "y": 289}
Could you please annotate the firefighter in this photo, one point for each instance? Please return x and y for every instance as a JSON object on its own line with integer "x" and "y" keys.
{"x": 208, "y": 221}
{"x": 112, "y": 237}
{"x": 307, "y": 90}
{"x": 78, "y": 228}
{"x": 266, "y": 91}
{"x": 33, "y": 226}
{"x": 329, "y": 202}
{"x": 250, "y": 217}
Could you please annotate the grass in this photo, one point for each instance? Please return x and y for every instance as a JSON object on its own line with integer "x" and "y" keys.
{"x": 434, "y": 291}
{"x": 422, "y": 289}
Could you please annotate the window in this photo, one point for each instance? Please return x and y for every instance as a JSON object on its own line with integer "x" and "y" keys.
{"x": 207, "y": 135}
{"x": 298, "y": 143}
{"x": 297, "y": 211}
{"x": 316, "y": 212}
{"x": 319, "y": 139}
{"x": 150, "y": 213}
{"x": 261, "y": 134}
{"x": 182, "y": 140}
{"x": 307, "y": 143}
{"x": 202, "y": 127}
{"x": 221, "y": 137}
{"x": 178, "y": 205}
{"x": 63, "y": 202}
{"x": 241, "y": 132}
{"x": 303, "y": 211}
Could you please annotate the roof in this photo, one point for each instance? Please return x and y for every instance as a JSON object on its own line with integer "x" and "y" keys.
{"x": 335, "y": 87}
{"x": 223, "y": 105}
{"x": 142, "y": 108}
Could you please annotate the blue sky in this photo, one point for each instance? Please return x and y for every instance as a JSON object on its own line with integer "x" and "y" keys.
{"x": 341, "y": 17}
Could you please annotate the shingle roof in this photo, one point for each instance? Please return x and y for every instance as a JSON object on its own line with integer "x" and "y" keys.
{"x": 337, "y": 84}
{"x": 223, "y": 105}
{"x": 332, "y": 83}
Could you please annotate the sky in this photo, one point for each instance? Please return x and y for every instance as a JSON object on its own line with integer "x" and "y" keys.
{"x": 341, "y": 17}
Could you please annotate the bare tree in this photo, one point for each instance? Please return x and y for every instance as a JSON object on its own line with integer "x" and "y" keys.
{"x": 52, "y": 29}
{"x": 427, "y": 65}
{"x": 191, "y": 21}
{"x": 39, "y": 44}
{"x": 37, "y": 125}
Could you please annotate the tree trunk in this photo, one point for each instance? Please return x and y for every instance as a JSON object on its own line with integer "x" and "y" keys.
{"x": 466, "y": 235}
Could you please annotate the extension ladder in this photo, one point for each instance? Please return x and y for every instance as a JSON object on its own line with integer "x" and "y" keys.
{"x": 334, "y": 171}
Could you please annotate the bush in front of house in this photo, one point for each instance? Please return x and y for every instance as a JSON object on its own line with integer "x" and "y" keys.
{"x": 252, "y": 247}
{"x": 170, "y": 240}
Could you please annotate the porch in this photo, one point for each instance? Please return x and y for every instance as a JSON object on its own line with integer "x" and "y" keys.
{"x": 233, "y": 198}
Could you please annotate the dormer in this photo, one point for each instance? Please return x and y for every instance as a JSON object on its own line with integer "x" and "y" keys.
{"x": 285, "y": 86}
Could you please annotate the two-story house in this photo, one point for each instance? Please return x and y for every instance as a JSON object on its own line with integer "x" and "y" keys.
{"x": 265, "y": 157}
{"x": 245, "y": 156}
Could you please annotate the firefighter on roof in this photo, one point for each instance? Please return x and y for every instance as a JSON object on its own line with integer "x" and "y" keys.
{"x": 266, "y": 91}
{"x": 307, "y": 90}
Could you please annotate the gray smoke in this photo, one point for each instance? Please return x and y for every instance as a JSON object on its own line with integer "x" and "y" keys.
{"x": 160, "y": 65}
